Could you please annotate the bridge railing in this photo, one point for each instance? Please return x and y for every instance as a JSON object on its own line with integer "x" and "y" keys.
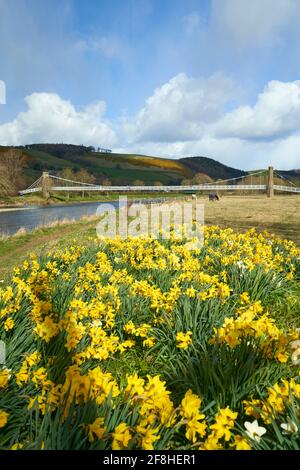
{"x": 193, "y": 188}
{"x": 204, "y": 187}
{"x": 291, "y": 189}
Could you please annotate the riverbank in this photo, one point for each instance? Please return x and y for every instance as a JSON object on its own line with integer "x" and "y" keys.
{"x": 12, "y": 208}
{"x": 14, "y": 249}
{"x": 32, "y": 200}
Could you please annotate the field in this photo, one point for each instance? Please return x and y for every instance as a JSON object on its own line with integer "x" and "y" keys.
{"x": 144, "y": 344}
{"x": 279, "y": 215}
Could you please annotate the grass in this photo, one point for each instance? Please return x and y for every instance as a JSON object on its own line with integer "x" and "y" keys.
{"x": 15, "y": 249}
{"x": 279, "y": 215}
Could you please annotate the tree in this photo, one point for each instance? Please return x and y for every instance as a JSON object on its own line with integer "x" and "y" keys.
{"x": 201, "y": 178}
{"x": 81, "y": 176}
{"x": 198, "y": 178}
{"x": 68, "y": 174}
{"x": 186, "y": 182}
{"x": 106, "y": 182}
{"x": 157, "y": 183}
{"x": 12, "y": 162}
{"x": 138, "y": 183}
{"x": 85, "y": 177}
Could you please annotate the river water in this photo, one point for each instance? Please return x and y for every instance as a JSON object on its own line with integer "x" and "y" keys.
{"x": 31, "y": 217}
{"x": 12, "y": 220}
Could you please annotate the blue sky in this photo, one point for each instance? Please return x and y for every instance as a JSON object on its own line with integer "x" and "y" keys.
{"x": 166, "y": 77}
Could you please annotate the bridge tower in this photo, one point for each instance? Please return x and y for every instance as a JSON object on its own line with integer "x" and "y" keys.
{"x": 270, "y": 183}
{"x": 45, "y": 184}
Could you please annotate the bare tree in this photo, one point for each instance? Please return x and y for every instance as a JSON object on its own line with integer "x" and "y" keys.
{"x": 201, "y": 178}
{"x": 84, "y": 177}
{"x": 12, "y": 162}
{"x": 106, "y": 182}
{"x": 198, "y": 178}
{"x": 68, "y": 174}
{"x": 138, "y": 183}
{"x": 186, "y": 182}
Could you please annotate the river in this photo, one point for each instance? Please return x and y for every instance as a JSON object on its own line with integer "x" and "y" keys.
{"x": 29, "y": 218}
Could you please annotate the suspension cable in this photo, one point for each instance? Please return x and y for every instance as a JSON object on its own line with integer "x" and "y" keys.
{"x": 238, "y": 177}
{"x": 71, "y": 181}
{"x": 35, "y": 184}
{"x": 284, "y": 178}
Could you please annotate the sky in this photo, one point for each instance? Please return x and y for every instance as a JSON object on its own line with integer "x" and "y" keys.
{"x": 175, "y": 78}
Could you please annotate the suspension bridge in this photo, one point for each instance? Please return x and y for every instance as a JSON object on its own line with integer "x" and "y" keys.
{"x": 47, "y": 184}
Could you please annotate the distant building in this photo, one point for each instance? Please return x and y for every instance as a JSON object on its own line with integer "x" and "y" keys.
{"x": 101, "y": 150}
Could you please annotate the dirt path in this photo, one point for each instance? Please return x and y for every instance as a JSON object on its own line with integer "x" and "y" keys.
{"x": 15, "y": 249}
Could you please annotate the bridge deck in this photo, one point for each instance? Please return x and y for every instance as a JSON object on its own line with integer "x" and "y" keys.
{"x": 195, "y": 188}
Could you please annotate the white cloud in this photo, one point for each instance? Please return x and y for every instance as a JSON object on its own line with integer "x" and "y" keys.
{"x": 49, "y": 118}
{"x": 276, "y": 113}
{"x": 184, "y": 117}
{"x": 237, "y": 153}
{"x": 252, "y": 23}
{"x": 181, "y": 108}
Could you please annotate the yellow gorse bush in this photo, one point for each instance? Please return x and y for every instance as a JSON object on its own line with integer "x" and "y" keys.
{"x": 98, "y": 339}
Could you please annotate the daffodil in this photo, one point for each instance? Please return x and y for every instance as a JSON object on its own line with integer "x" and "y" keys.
{"x": 121, "y": 437}
{"x": 148, "y": 436}
{"x": 3, "y": 418}
{"x": 97, "y": 429}
{"x": 254, "y": 431}
{"x": 5, "y": 375}
{"x": 9, "y": 324}
{"x": 240, "y": 443}
{"x": 16, "y": 446}
{"x": 244, "y": 298}
{"x": 135, "y": 385}
{"x": 295, "y": 346}
{"x": 184, "y": 340}
{"x": 290, "y": 427}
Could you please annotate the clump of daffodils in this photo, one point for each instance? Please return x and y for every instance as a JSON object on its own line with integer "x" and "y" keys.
{"x": 98, "y": 331}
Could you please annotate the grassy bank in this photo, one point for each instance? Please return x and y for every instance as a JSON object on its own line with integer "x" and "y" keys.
{"x": 280, "y": 216}
{"x": 16, "y": 248}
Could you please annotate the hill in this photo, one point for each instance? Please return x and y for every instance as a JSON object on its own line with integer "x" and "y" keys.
{"x": 293, "y": 175}
{"x": 119, "y": 168}
{"x": 211, "y": 168}
{"x": 122, "y": 169}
